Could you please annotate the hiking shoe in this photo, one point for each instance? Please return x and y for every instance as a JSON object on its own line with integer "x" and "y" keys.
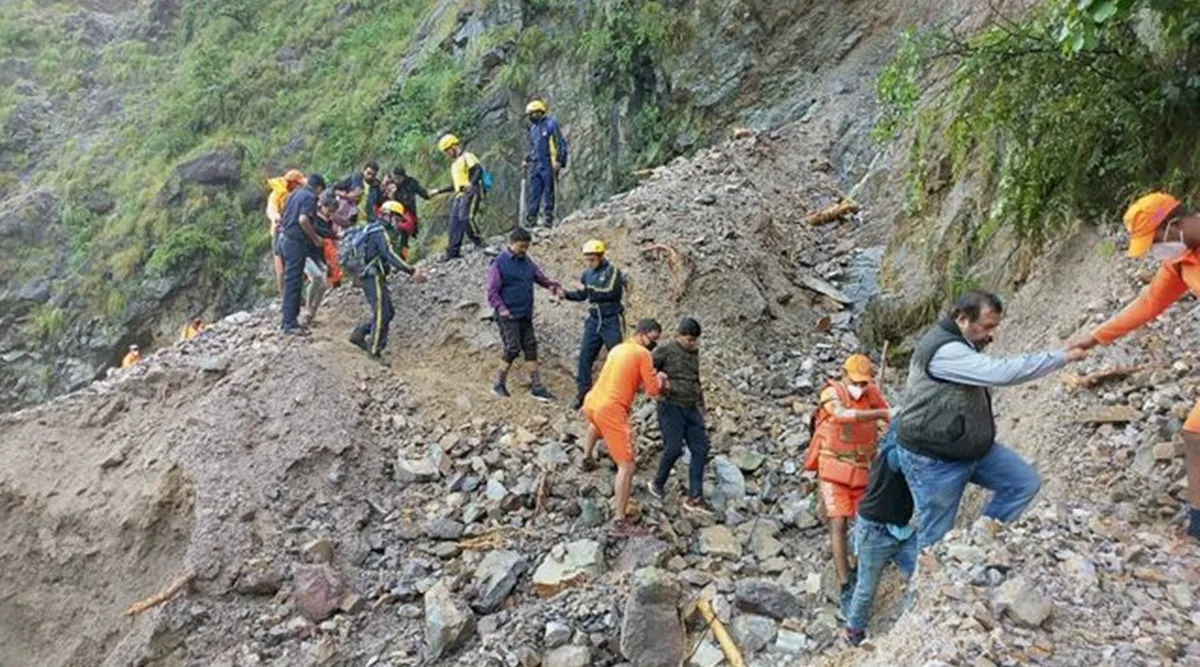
{"x": 854, "y": 637}
{"x": 543, "y": 394}
{"x": 295, "y": 331}
{"x": 655, "y": 490}
{"x": 699, "y": 506}
{"x": 500, "y": 390}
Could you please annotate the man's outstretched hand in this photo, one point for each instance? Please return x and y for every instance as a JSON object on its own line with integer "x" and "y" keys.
{"x": 1082, "y": 342}
{"x": 1076, "y": 354}
{"x": 419, "y": 276}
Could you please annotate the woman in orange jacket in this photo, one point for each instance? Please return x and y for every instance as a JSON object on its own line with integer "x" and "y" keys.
{"x": 1160, "y": 226}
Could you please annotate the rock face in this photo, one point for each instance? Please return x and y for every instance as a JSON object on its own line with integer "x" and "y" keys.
{"x": 567, "y": 565}
{"x": 495, "y": 578}
{"x": 220, "y": 167}
{"x": 651, "y": 632}
{"x": 767, "y": 598}
{"x": 317, "y": 590}
{"x": 449, "y": 624}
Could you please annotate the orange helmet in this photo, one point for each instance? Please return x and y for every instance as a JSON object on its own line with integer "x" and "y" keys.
{"x": 294, "y": 177}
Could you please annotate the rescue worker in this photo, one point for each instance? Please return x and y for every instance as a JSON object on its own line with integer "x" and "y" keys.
{"x": 628, "y": 368}
{"x": 365, "y": 185}
{"x": 845, "y": 432}
{"x": 947, "y": 429}
{"x": 395, "y": 215}
{"x": 681, "y": 415}
{"x": 280, "y": 188}
{"x": 131, "y": 357}
{"x": 883, "y": 532}
{"x": 298, "y": 240}
{"x": 380, "y": 258}
{"x": 510, "y": 280}
{"x": 547, "y": 157}
{"x": 466, "y": 175}
{"x": 1161, "y": 227}
{"x": 193, "y": 328}
{"x": 604, "y": 290}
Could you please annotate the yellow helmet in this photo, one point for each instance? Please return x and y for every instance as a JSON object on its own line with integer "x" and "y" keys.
{"x": 392, "y": 207}
{"x": 447, "y": 141}
{"x": 536, "y": 105}
{"x": 858, "y": 368}
{"x": 594, "y": 247}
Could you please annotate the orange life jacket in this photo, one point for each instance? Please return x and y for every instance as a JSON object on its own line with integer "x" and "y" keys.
{"x": 841, "y": 452}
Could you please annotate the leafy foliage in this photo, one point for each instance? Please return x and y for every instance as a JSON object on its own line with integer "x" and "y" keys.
{"x": 1066, "y": 112}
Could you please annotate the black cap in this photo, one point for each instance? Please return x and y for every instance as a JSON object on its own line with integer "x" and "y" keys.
{"x": 316, "y": 181}
{"x": 647, "y": 325}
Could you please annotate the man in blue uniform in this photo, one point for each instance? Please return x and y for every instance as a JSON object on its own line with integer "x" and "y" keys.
{"x": 547, "y": 157}
{"x": 380, "y": 258}
{"x": 604, "y": 290}
{"x": 297, "y": 234}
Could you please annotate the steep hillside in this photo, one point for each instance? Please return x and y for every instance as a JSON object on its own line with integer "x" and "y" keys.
{"x": 135, "y": 136}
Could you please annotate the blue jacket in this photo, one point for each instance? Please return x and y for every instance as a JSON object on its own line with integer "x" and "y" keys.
{"x": 510, "y": 282}
{"x": 301, "y": 202}
{"x": 604, "y": 288}
{"x": 379, "y": 254}
{"x": 547, "y": 146}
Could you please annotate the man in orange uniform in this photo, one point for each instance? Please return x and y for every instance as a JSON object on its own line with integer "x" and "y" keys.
{"x": 1159, "y": 225}
{"x": 281, "y": 187}
{"x": 845, "y": 433}
{"x": 628, "y": 368}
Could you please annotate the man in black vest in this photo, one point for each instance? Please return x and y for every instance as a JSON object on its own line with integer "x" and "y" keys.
{"x": 947, "y": 430}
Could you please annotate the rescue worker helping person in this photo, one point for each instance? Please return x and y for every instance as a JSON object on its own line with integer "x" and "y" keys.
{"x": 628, "y": 368}
{"x": 547, "y": 158}
{"x": 947, "y": 428}
{"x": 845, "y": 433}
{"x": 604, "y": 291}
{"x": 1159, "y": 226}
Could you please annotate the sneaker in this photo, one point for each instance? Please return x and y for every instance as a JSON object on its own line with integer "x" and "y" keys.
{"x": 699, "y": 506}
{"x": 296, "y": 331}
{"x": 543, "y": 394}
{"x": 854, "y": 637}
{"x": 500, "y": 390}
{"x": 655, "y": 490}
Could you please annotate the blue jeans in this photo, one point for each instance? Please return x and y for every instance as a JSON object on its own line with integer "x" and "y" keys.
{"x": 598, "y": 331}
{"x": 679, "y": 425}
{"x": 875, "y": 546}
{"x": 937, "y": 487}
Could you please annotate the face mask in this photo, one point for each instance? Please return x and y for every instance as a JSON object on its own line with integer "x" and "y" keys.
{"x": 1165, "y": 252}
{"x": 856, "y": 392}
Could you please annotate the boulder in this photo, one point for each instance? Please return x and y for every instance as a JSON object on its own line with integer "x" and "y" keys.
{"x": 317, "y": 591}
{"x": 719, "y": 541}
{"x": 753, "y": 633}
{"x": 763, "y": 542}
{"x": 767, "y": 598}
{"x": 641, "y": 552}
{"x": 652, "y": 634}
{"x": 496, "y": 577}
{"x": 1024, "y": 602}
{"x": 568, "y": 656}
{"x": 448, "y": 622}
{"x": 568, "y": 565}
{"x": 730, "y": 481}
{"x": 221, "y": 167}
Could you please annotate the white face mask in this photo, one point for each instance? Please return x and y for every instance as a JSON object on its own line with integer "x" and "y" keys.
{"x": 856, "y": 392}
{"x": 1165, "y": 252}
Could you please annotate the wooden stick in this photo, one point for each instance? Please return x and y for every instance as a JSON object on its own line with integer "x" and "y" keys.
{"x": 542, "y": 492}
{"x": 181, "y": 582}
{"x": 883, "y": 364}
{"x": 1090, "y": 380}
{"x": 732, "y": 654}
{"x": 831, "y": 213}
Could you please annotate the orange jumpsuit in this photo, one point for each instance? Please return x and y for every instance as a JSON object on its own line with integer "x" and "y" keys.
{"x": 628, "y": 368}
{"x": 1172, "y": 281}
